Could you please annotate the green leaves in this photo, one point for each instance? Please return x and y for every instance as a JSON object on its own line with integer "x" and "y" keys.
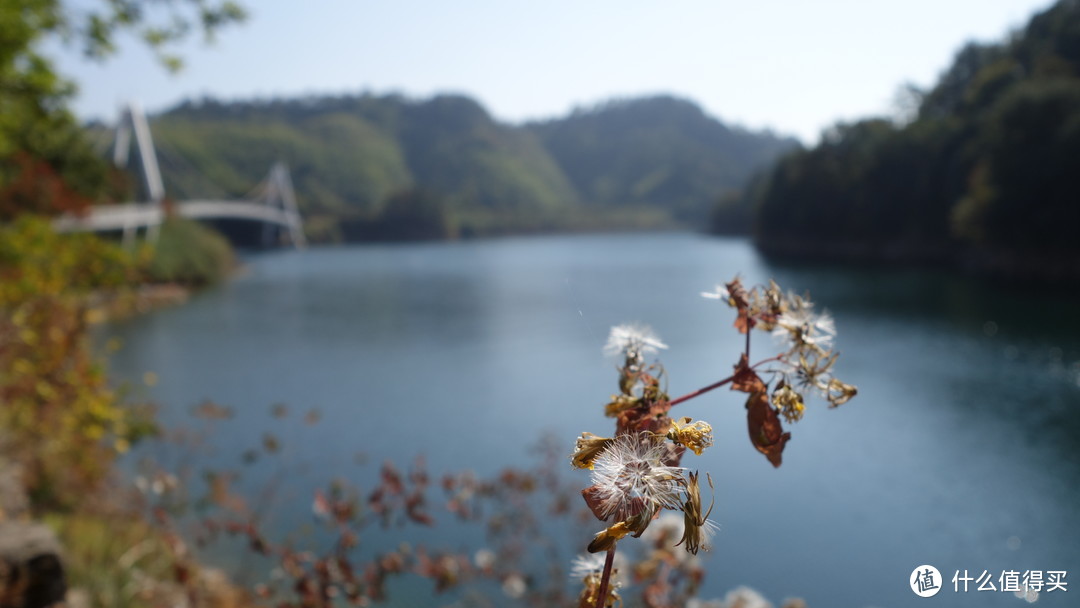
{"x": 160, "y": 27}
{"x": 983, "y": 177}
{"x": 189, "y": 253}
{"x": 35, "y": 123}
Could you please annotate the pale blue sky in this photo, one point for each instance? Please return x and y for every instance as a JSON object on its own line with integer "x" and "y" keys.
{"x": 790, "y": 65}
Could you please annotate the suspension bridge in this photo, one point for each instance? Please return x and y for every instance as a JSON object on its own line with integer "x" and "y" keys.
{"x": 266, "y": 217}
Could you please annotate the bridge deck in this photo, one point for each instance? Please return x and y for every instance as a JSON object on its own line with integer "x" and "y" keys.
{"x": 142, "y": 215}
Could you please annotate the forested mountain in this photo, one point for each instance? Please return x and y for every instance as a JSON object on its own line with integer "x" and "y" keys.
{"x": 985, "y": 175}
{"x": 634, "y": 163}
{"x": 657, "y": 151}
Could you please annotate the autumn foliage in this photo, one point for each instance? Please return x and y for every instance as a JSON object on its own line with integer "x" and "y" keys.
{"x": 61, "y": 419}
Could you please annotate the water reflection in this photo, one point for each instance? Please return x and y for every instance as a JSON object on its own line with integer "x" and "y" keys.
{"x": 1000, "y": 351}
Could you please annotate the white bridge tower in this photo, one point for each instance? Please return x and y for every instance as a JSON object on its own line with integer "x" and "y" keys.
{"x": 272, "y": 202}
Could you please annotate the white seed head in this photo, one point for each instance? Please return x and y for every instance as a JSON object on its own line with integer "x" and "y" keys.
{"x": 586, "y": 564}
{"x": 484, "y": 559}
{"x": 630, "y": 475}
{"x": 665, "y": 529}
{"x": 632, "y": 340}
{"x": 745, "y": 597}
{"x": 514, "y": 586}
{"x": 720, "y": 293}
{"x": 801, "y": 326}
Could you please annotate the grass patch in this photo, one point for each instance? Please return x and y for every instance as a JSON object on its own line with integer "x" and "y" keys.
{"x": 189, "y": 253}
{"x": 119, "y": 561}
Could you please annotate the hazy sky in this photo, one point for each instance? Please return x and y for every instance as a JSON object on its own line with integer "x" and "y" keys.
{"x": 789, "y": 65}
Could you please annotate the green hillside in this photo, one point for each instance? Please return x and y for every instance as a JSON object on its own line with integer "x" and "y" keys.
{"x": 985, "y": 175}
{"x": 656, "y": 151}
{"x": 638, "y": 163}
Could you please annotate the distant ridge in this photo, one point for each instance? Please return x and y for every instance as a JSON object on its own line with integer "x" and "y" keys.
{"x": 632, "y": 163}
{"x": 659, "y": 151}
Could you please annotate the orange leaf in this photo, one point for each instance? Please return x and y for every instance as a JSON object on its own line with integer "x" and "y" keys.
{"x": 594, "y": 500}
{"x": 744, "y": 322}
{"x": 745, "y": 379}
{"x": 737, "y": 293}
{"x": 766, "y": 433}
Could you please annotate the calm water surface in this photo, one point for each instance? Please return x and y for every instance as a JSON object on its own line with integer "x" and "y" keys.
{"x": 960, "y": 450}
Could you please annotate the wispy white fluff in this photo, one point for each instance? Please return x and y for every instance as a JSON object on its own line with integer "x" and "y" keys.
{"x": 803, "y": 327}
{"x": 634, "y": 340}
{"x": 720, "y": 293}
{"x": 632, "y": 468}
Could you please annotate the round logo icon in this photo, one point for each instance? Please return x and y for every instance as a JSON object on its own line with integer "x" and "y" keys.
{"x": 925, "y": 581}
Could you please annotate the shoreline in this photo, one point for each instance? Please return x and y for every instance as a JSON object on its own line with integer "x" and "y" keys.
{"x": 1004, "y": 265}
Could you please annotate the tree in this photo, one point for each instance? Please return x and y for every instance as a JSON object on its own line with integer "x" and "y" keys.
{"x": 1023, "y": 193}
{"x": 38, "y": 134}
{"x": 985, "y": 174}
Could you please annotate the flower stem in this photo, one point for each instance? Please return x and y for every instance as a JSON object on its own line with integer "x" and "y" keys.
{"x": 605, "y": 579}
{"x": 701, "y": 391}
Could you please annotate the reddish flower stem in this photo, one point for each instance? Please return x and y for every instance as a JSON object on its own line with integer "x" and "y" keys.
{"x": 715, "y": 385}
{"x": 701, "y": 391}
{"x": 605, "y": 579}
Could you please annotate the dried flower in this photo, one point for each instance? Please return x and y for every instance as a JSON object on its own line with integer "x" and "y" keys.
{"x": 588, "y": 596}
{"x": 630, "y": 476}
{"x": 838, "y": 393}
{"x": 788, "y": 401}
{"x": 813, "y": 371}
{"x": 606, "y": 538}
{"x": 766, "y": 305}
{"x": 804, "y": 328}
{"x": 698, "y": 528}
{"x": 588, "y": 447}
{"x": 696, "y": 436}
{"x": 621, "y": 403}
{"x": 635, "y": 475}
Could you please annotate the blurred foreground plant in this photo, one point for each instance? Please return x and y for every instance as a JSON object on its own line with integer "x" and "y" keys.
{"x": 60, "y": 419}
{"x": 338, "y": 559}
{"x": 636, "y": 473}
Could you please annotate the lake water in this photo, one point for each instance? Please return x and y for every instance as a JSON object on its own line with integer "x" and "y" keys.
{"x": 960, "y": 450}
